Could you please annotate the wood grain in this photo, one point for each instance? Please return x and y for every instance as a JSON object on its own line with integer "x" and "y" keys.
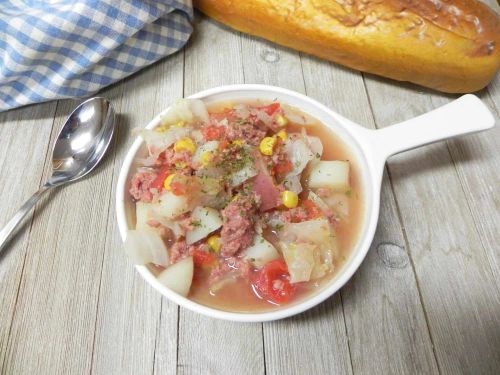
{"x": 494, "y": 91}
{"x": 456, "y": 282}
{"x": 268, "y": 63}
{"x": 384, "y": 317}
{"x": 480, "y": 181}
{"x": 314, "y": 342}
{"x": 24, "y": 140}
{"x": 208, "y": 346}
{"x": 58, "y": 293}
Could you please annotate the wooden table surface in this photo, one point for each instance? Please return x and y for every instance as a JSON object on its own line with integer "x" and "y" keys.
{"x": 426, "y": 300}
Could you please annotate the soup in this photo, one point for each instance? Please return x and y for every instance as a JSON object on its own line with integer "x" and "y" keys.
{"x": 243, "y": 206}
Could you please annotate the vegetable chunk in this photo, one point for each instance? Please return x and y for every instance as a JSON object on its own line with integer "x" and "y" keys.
{"x": 145, "y": 247}
{"x": 330, "y": 174}
{"x": 179, "y": 276}
{"x": 261, "y": 252}
{"x": 205, "y": 220}
{"x": 172, "y": 205}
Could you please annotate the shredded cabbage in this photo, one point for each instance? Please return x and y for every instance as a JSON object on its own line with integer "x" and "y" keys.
{"x": 199, "y": 109}
{"x": 299, "y": 154}
{"x": 145, "y": 212}
{"x": 145, "y": 247}
{"x": 242, "y": 111}
{"x": 312, "y": 239}
{"x": 315, "y": 145}
{"x": 299, "y": 259}
{"x": 180, "y": 111}
{"x": 157, "y": 142}
{"x": 299, "y": 119}
{"x": 247, "y": 172}
{"x": 292, "y": 183}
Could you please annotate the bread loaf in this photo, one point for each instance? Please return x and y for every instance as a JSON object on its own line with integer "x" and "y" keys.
{"x": 448, "y": 45}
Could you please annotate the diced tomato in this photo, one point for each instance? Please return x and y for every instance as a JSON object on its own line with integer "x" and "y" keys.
{"x": 223, "y": 144}
{"x": 270, "y": 109}
{"x": 272, "y": 282}
{"x": 227, "y": 113}
{"x": 282, "y": 168}
{"x": 313, "y": 211}
{"x": 158, "y": 181}
{"x": 212, "y": 133}
{"x": 202, "y": 258}
{"x": 178, "y": 188}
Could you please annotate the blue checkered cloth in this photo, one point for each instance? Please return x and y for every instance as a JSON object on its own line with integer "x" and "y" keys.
{"x": 72, "y": 48}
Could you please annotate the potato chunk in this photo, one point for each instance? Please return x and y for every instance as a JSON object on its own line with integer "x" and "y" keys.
{"x": 330, "y": 174}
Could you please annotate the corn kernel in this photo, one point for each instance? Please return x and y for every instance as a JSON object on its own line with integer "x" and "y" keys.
{"x": 282, "y": 134}
{"x": 206, "y": 158}
{"x": 161, "y": 128}
{"x": 164, "y": 127}
{"x": 214, "y": 243}
{"x": 185, "y": 144}
{"x": 281, "y": 120}
{"x": 168, "y": 181}
{"x": 289, "y": 199}
{"x": 238, "y": 142}
{"x": 179, "y": 124}
{"x": 267, "y": 145}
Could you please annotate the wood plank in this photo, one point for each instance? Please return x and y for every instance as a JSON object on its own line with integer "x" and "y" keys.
{"x": 24, "y": 141}
{"x": 477, "y": 162}
{"x": 213, "y": 58}
{"x": 480, "y": 178}
{"x": 314, "y": 342}
{"x": 133, "y": 319}
{"x": 270, "y": 64}
{"x": 286, "y": 342}
{"x": 494, "y": 93}
{"x": 455, "y": 278}
{"x": 59, "y": 289}
{"x": 384, "y": 317}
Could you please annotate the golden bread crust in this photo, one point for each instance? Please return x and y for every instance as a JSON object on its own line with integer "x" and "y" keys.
{"x": 451, "y": 46}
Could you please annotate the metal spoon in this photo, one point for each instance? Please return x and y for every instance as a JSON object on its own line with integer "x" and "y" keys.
{"x": 81, "y": 144}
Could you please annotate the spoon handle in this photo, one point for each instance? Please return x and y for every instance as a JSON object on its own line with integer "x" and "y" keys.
{"x": 8, "y": 230}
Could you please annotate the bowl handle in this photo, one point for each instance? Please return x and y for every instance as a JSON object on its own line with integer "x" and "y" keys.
{"x": 467, "y": 114}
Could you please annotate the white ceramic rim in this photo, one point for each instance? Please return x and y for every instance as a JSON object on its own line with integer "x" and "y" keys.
{"x": 371, "y": 175}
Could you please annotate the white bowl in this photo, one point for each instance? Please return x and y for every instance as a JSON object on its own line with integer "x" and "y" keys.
{"x": 370, "y": 148}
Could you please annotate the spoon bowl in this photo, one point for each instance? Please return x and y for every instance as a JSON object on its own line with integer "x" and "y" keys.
{"x": 83, "y": 140}
{"x": 80, "y": 145}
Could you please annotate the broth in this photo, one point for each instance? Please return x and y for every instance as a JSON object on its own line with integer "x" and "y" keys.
{"x": 239, "y": 296}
